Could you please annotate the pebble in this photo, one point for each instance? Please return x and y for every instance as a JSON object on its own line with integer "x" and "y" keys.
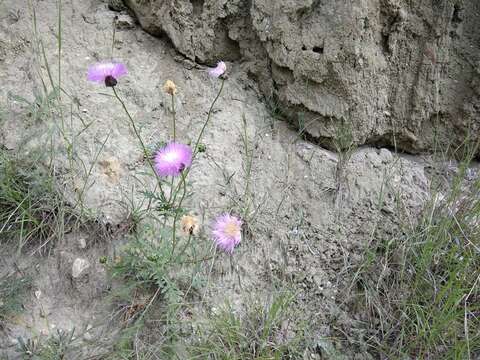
{"x": 79, "y": 266}
{"x": 125, "y": 21}
{"x": 37, "y": 294}
{"x": 82, "y": 243}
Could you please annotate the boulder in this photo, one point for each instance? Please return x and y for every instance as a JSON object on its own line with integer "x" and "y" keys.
{"x": 399, "y": 73}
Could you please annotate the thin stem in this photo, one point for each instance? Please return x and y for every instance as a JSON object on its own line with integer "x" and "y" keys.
{"x": 197, "y": 261}
{"x": 197, "y": 143}
{"x": 248, "y": 170}
{"x": 185, "y": 247}
{"x": 59, "y": 47}
{"x": 171, "y": 190}
{"x": 173, "y": 115}
{"x": 175, "y": 218}
{"x": 145, "y": 152}
{"x": 195, "y": 151}
{"x": 113, "y": 36}
{"x": 174, "y": 137}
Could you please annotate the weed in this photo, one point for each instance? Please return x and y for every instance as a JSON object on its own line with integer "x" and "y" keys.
{"x": 275, "y": 112}
{"x": 13, "y": 289}
{"x": 152, "y": 261}
{"x": 39, "y": 109}
{"x": 344, "y": 145}
{"x": 28, "y": 202}
{"x": 55, "y": 347}
{"x": 422, "y": 290}
{"x": 260, "y": 331}
{"x": 29, "y": 349}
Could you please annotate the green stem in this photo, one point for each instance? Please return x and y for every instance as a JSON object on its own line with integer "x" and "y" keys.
{"x": 59, "y": 47}
{"x": 175, "y": 218}
{"x": 137, "y": 134}
{"x": 197, "y": 261}
{"x": 173, "y": 115}
{"x": 113, "y": 37}
{"x": 248, "y": 170}
{"x": 197, "y": 143}
{"x": 187, "y": 171}
{"x": 184, "y": 248}
{"x": 195, "y": 151}
{"x": 171, "y": 190}
{"x": 174, "y": 138}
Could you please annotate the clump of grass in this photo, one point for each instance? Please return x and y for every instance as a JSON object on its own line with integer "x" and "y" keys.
{"x": 55, "y": 347}
{"x": 422, "y": 290}
{"x": 344, "y": 146}
{"x": 29, "y": 202}
{"x": 153, "y": 268}
{"x": 13, "y": 289}
{"x": 40, "y": 108}
{"x": 275, "y": 112}
{"x": 259, "y": 331}
{"x": 343, "y": 140}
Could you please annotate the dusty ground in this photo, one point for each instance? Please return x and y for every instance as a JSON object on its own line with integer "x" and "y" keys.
{"x": 313, "y": 215}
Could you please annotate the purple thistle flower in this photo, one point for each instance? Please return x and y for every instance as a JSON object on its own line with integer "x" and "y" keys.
{"x": 173, "y": 159}
{"x": 227, "y": 232}
{"x": 218, "y": 71}
{"x": 107, "y": 73}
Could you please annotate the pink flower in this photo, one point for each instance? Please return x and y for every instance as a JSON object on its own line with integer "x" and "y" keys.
{"x": 218, "y": 71}
{"x": 107, "y": 73}
{"x": 227, "y": 232}
{"x": 173, "y": 159}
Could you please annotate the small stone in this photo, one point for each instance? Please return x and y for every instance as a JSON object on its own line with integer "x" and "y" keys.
{"x": 42, "y": 313}
{"x": 37, "y": 294}
{"x": 386, "y": 155}
{"x": 79, "y": 266}
{"x": 82, "y": 243}
{"x": 125, "y": 21}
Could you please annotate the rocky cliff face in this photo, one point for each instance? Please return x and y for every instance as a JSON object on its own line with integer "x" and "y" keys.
{"x": 398, "y": 73}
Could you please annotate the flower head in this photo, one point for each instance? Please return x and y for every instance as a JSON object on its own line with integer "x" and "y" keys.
{"x": 107, "y": 73}
{"x": 219, "y": 70}
{"x": 227, "y": 232}
{"x": 173, "y": 159}
{"x": 170, "y": 87}
{"x": 189, "y": 225}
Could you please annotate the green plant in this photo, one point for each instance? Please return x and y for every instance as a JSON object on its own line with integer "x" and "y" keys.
{"x": 55, "y": 347}
{"x": 344, "y": 146}
{"x": 275, "y": 112}
{"x": 29, "y": 202}
{"x": 58, "y": 345}
{"x": 260, "y": 331}
{"x": 421, "y": 289}
{"x": 13, "y": 289}
{"x": 152, "y": 261}
{"x": 39, "y": 109}
{"x": 28, "y": 349}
